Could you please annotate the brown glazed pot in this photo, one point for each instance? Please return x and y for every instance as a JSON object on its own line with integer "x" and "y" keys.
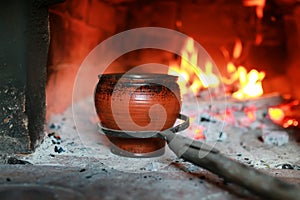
{"x": 137, "y": 102}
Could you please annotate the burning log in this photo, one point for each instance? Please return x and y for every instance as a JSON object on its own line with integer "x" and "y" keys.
{"x": 262, "y": 102}
{"x": 211, "y": 159}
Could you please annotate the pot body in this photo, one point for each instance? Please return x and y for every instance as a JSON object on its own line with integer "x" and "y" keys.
{"x": 137, "y": 102}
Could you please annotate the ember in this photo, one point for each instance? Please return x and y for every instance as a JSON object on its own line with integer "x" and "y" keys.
{"x": 283, "y": 114}
{"x": 276, "y": 114}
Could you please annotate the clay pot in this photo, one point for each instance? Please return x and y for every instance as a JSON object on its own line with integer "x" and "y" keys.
{"x": 137, "y": 102}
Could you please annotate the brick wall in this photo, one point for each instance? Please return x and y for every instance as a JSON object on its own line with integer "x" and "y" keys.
{"x": 77, "y": 26}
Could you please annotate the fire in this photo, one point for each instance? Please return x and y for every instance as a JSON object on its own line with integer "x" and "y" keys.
{"x": 191, "y": 76}
{"x": 242, "y": 84}
{"x": 250, "y": 84}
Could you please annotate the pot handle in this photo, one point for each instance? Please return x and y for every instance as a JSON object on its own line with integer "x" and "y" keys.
{"x": 208, "y": 157}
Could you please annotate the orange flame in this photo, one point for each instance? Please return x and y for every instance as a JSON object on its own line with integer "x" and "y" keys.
{"x": 237, "y": 50}
{"x": 259, "y": 4}
{"x": 191, "y": 76}
{"x": 249, "y": 83}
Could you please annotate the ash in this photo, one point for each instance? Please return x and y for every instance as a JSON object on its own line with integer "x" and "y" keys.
{"x": 67, "y": 144}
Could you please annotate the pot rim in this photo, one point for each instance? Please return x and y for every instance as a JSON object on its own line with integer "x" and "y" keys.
{"x": 141, "y": 76}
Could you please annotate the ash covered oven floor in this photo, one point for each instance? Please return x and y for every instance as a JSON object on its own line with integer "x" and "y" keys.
{"x": 85, "y": 164}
